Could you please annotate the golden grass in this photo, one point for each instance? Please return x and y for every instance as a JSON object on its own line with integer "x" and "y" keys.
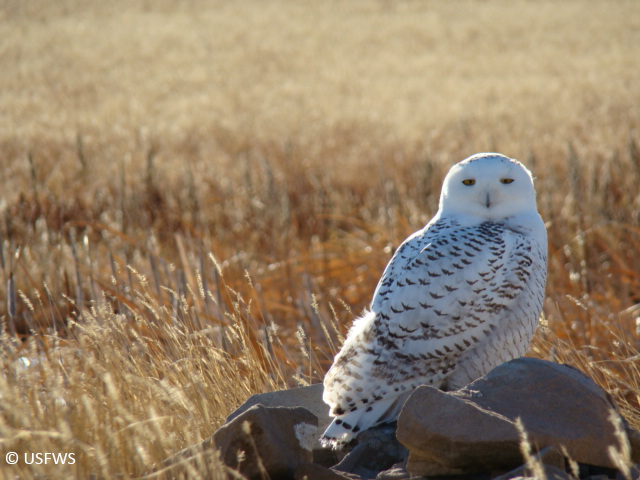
{"x": 197, "y": 196}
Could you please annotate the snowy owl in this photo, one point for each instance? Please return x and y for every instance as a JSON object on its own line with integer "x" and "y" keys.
{"x": 458, "y": 298}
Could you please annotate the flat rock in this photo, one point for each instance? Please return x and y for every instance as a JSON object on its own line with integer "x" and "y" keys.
{"x": 474, "y": 429}
{"x": 268, "y": 440}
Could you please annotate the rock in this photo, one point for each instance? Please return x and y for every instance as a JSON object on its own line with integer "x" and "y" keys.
{"x": 447, "y": 435}
{"x": 474, "y": 429}
{"x": 633, "y": 473}
{"x": 376, "y": 450}
{"x": 396, "y": 472}
{"x": 313, "y": 471}
{"x": 271, "y": 440}
{"x": 548, "y": 473}
{"x": 634, "y": 443}
{"x": 589, "y": 471}
{"x": 557, "y": 404}
{"x": 307, "y": 397}
{"x": 551, "y": 463}
{"x": 551, "y": 456}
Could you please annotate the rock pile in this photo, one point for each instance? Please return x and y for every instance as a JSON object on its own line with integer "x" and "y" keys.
{"x": 527, "y": 418}
{"x": 475, "y": 429}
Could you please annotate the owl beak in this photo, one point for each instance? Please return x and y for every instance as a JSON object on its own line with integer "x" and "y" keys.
{"x": 488, "y": 200}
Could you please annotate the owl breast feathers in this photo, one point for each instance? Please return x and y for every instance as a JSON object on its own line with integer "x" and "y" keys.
{"x": 458, "y": 298}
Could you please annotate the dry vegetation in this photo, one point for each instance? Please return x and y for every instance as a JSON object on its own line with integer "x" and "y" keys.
{"x": 197, "y": 195}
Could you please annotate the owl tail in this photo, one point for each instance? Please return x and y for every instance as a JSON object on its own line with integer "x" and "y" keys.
{"x": 345, "y": 428}
{"x": 342, "y": 430}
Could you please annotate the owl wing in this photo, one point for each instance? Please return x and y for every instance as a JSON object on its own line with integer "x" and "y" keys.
{"x": 445, "y": 290}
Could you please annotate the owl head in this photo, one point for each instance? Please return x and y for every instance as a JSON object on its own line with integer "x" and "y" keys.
{"x": 490, "y": 186}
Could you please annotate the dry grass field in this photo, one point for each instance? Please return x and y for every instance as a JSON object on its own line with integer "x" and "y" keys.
{"x": 198, "y": 196}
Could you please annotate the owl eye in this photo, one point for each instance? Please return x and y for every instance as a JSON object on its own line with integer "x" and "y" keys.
{"x": 506, "y": 180}
{"x": 469, "y": 181}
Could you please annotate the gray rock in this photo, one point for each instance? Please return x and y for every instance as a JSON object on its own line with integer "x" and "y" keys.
{"x": 551, "y": 456}
{"x": 474, "y": 429}
{"x": 548, "y": 473}
{"x": 396, "y": 472}
{"x": 447, "y": 435}
{"x": 313, "y": 471}
{"x": 557, "y": 404}
{"x": 633, "y": 473}
{"x": 267, "y": 440}
{"x": 307, "y": 397}
{"x": 634, "y": 443}
{"x": 551, "y": 462}
{"x": 376, "y": 450}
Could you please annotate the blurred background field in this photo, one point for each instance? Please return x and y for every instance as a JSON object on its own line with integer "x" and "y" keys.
{"x": 197, "y": 197}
